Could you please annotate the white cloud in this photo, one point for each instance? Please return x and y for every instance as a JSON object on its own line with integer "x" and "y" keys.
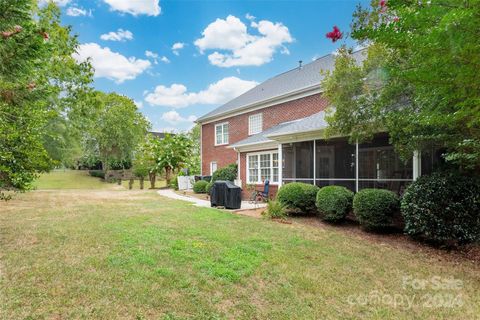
{"x": 60, "y": 3}
{"x": 177, "y": 47}
{"x": 111, "y": 65}
{"x": 156, "y": 57}
{"x": 136, "y": 7}
{"x": 241, "y": 48}
{"x": 120, "y": 35}
{"x": 173, "y": 117}
{"x": 250, "y": 17}
{"x": 177, "y": 96}
{"x": 78, "y": 12}
{"x": 151, "y": 54}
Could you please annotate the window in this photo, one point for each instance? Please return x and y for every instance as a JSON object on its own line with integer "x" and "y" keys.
{"x": 221, "y": 133}
{"x": 213, "y": 167}
{"x": 255, "y": 123}
{"x": 262, "y": 166}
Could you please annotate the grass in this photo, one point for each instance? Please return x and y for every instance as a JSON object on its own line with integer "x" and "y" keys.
{"x": 111, "y": 253}
{"x": 69, "y": 179}
{"x": 146, "y": 184}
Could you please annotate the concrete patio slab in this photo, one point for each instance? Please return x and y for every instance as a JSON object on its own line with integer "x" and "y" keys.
{"x": 169, "y": 193}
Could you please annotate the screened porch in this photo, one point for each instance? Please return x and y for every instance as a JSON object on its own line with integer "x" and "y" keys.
{"x": 355, "y": 166}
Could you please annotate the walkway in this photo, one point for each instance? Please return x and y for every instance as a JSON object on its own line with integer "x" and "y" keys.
{"x": 169, "y": 193}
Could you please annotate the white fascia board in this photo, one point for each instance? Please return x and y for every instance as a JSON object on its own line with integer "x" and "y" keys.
{"x": 256, "y": 146}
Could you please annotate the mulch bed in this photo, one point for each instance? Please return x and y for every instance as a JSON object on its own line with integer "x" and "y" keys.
{"x": 396, "y": 239}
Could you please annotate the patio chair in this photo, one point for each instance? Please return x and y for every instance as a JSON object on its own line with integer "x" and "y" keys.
{"x": 261, "y": 196}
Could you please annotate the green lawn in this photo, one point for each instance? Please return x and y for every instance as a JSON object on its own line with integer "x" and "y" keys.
{"x": 69, "y": 179}
{"x": 110, "y": 253}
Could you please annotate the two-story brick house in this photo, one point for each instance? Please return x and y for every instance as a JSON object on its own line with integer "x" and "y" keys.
{"x": 275, "y": 131}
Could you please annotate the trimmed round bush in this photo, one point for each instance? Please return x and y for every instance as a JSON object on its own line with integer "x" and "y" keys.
{"x": 298, "y": 197}
{"x": 334, "y": 203}
{"x": 208, "y": 187}
{"x": 443, "y": 208}
{"x": 200, "y": 186}
{"x": 375, "y": 208}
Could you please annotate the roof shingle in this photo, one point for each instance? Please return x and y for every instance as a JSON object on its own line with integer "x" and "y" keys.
{"x": 291, "y": 81}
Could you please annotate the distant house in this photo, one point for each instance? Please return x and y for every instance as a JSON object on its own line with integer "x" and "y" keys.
{"x": 160, "y": 135}
{"x": 275, "y": 131}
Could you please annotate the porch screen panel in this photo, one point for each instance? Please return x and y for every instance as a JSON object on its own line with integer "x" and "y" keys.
{"x": 381, "y": 167}
{"x": 335, "y": 159}
{"x": 298, "y": 161}
{"x": 432, "y": 159}
{"x": 335, "y": 163}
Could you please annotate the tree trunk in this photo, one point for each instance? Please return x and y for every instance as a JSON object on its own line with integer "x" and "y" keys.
{"x": 141, "y": 182}
{"x": 168, "y": 175}
{"x": 130, "y": 184}
{"x": 152, "y": 177}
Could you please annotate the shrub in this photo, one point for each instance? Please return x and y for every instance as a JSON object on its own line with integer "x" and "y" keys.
{"x": 375, "y": 208}
{"x": 200, "y": 186}
{"x": 228, "y": 173}
{"x": 275, "y": 210}
{"x": 208, "y": 187}
{"x": 97, "y": 173}
{"x": 334, "y": 203}
{"x": 298, "y": 197}
{"x": 443, "y": 208}
{"x": 174, "y": 183}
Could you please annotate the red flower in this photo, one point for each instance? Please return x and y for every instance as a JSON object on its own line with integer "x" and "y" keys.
{"x": 335, "y": 34}
{"x": 396, "y": 19}
{"x": 8, "y": 34}
{"x": 383, "y": 6}
{"x": 45, "y": 35}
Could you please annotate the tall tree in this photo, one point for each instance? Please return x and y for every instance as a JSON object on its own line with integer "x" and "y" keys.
{"x": 118, "y": 130}
{"x": 173, "y": 153}
{"x": 426, "y": 90}
{"x": 194, "y": 161}
{"x": 40, "y": 82}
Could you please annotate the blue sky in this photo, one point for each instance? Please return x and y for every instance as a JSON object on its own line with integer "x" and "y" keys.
{"x": 222, "y": 48}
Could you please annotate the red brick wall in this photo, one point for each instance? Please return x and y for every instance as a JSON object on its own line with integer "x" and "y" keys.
{"x": 238, "y": 129}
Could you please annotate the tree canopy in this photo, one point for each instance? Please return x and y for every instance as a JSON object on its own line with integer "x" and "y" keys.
{"x": 420, "y": 81}
{"x": 40, "y": 84}
{"x": 118, "y": 130}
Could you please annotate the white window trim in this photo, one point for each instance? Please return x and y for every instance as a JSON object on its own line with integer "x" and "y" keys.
{"x": 211, "y": 167}
{"x": 250, "y": 132}
{"x": 215, "y": 134}
{"x": 247, "y": 166}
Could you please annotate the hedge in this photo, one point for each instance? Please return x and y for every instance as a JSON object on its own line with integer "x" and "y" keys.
{"x": 97, "y": 173}
{"x": 443, "y": 208}
{"x": 298, "y": 197}
{"x": 208, "y": 187}
{"x": 375, "y": 208}
{"x": 334, "y": 203}
{"x": 200, "y": 186}
{"x": 228, "y": 173}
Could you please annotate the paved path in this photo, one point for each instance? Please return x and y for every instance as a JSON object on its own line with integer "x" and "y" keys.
{"x": 169, "y": 193}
